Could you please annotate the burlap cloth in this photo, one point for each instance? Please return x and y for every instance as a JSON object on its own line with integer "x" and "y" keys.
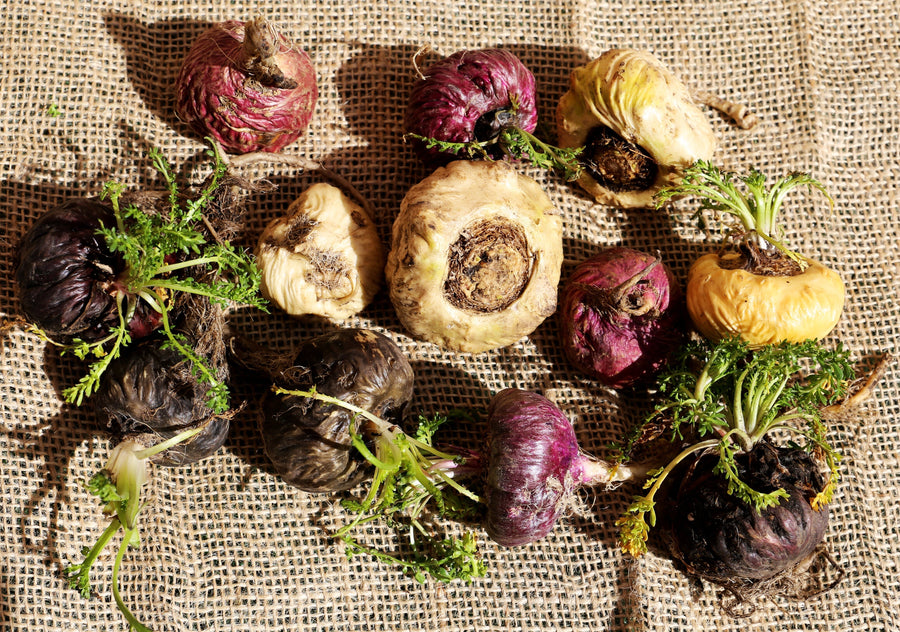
{"x": 227, "y": 545}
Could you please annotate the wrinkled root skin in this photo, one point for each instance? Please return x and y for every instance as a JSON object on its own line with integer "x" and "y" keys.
{"x": 67, "y": 278}
{"x": 150, "y": 393}
{"x": 633, "y": 95}
{"x": 218, "y": 96}
{"x": 308, "y": 441}
{"x": 725, "y": 299}
{"x": 461, "y": 89}
{"x": 620, "y": 340}
{"x": 721, "y": 539}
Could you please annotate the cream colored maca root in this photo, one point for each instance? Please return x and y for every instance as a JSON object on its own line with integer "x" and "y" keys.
{"x": 637, "y": 123}
{"x": 475, "y": 257}
{"x": 323, "y": 258}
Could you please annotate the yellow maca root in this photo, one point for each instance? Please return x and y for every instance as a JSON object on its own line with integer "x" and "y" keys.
{"x": 634, "y": 96}
{"x": 763, "y": 309}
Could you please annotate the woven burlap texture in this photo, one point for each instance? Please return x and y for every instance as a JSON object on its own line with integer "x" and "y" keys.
{"x": 229, "y": 547}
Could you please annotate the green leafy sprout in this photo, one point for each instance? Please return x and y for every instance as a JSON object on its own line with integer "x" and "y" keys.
{"x": 118, "y": 486}
{"x": 411, "y": 474}
{"x": 736, "y": 397}
{"x": 756, "y": 206}
{"x": 157, "y": 249}
{"x": 515, "y": 142}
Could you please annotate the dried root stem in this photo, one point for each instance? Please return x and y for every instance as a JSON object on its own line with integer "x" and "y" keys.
{"x": 742, "y": 116}
{"x": 845, "y": 409}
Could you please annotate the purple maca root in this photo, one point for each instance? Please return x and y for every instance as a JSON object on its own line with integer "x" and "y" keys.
{"x": 247, "y": 86}
{"x": 470, "y": 96}
{"x": 535, "y": 466}
{"x": 621, "y": 314}
{"x": 68, "y": 279}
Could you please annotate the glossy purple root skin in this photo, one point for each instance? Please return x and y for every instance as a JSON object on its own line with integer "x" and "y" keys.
{"x": 217, "y": 98}
{"x": 534, "y": 465}
{"x": 612, "y": 346}
{"x": 67, "y": 277}
{"x": 462, "y": 87}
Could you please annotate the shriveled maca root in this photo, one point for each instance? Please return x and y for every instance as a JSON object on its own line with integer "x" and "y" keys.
{"x": 482, "y": 105}
{"x": 247, "y": 86}
{"x": 324, "y": 257}
{"x": 778, "y": 553}
{"x": 310, "y": 443}
{"x": 466, "y": 99}
{"x": 769, "y": 541}
{"x": 153, "y": 392}
{"x": 475, "y": 257}
{"x": 790, "y": 529}
{"x": 66, "y": 276}
{"x": 724, "y": 298}
{"x": 637, "y": 125}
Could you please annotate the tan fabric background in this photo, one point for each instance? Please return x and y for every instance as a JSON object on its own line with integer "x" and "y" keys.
{"x": 226, "y": 545}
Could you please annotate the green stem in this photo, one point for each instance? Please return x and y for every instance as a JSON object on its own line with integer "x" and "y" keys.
{"x": 217, "y": 398}
{"x": 360, "y": 444}
{"x": 736, "y": 403}
{"x": 740, "y": 437}
{"x": 781, "y": 421}
{"x": 152, "y": 299}
{"x": 382, "y": 426}
{"x": 175, "y": 286}
{"x": 445, "y": 476}
{"x": 89, "y": 383}
{"x": 769, "y": 402}
{"x": 681, "y": 456}
{"x": 388, "y": 430}
{"x": 704, "y": 381}
{"x": 361, "y": 518}
{"x": 173, "y": 267}
{"x": 763, "y": 401}
{"x": 113, "y": 190}
{"x": 515, "y": 143}
{"x": 415, "y": 465}
{"x": 518, "y": 143}
{"x": 162, "y": 446}
{"x": 127, "y": 539}
{"x": 81, "y": 574}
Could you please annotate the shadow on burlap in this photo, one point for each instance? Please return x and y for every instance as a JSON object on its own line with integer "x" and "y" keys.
{"x": 227, "y": 546}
